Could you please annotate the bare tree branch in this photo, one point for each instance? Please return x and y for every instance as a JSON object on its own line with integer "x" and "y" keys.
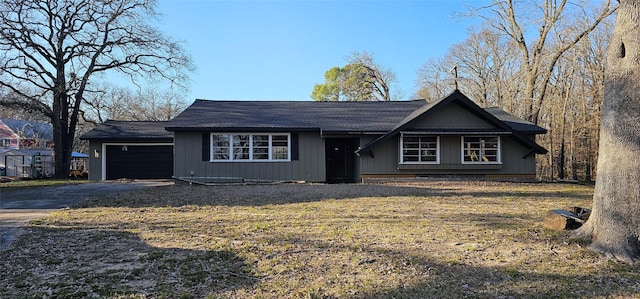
{"x": 50, "y": 50}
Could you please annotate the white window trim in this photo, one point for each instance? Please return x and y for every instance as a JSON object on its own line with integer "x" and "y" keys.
{"x": 499, "y": 153}
{"x": 250, "y": 160}
{"x": 437, "y": 161}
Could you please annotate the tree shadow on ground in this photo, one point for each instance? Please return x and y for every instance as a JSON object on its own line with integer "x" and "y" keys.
{"x": 259, "y": 195}
{"x": 87, "y": 263}
{"x": 454, "y": 279}
{"x": 75, "y": 261}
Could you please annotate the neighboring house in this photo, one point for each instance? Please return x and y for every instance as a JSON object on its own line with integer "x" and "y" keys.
{"x": 31, "y": 134}
{"x": 25, "y": 150}
{"x": 8, "y": 138}
{"x": 239, "y": 141}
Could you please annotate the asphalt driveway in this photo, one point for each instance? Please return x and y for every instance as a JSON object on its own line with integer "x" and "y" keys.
{"x": 19, "y": 207}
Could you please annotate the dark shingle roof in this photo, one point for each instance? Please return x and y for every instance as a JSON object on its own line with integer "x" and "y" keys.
{"x": 129, "y": 130}
{"x": 293, "y": 115}
{"x": 515, "y": 123}
{"x": 206, "y": 115}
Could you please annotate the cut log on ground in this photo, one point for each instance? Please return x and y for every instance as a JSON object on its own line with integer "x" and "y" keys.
{"x": 562, "y": 220}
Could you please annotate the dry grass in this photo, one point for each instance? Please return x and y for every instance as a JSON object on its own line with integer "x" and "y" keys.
{"x": 420, "y": 240}
{"x": 16, "y": 184}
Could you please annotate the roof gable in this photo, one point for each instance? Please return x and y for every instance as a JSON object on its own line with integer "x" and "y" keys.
{"x": 464, "y": 102}
{"x": 6, "y": 132}
{"x": 450, "y": 117}
{"x": 461, "y": 100}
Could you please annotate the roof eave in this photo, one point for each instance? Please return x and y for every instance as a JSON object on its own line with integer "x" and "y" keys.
{"x": 240, "y": 129}
{"x": 350, "y": 133}
{"x": 129, "y": 139}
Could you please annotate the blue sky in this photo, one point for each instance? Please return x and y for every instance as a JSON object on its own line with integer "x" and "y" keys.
{"x": 277, "y": 50}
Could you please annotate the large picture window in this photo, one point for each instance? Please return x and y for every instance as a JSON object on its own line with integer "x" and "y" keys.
{"x": 481, "y": 149}
{"x": 250, "y": 147}
{"x": 420, "y": 149}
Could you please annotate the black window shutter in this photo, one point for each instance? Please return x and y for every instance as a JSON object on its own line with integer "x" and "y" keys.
{"x": 206, "y": 147}
{"x": 295, "y": 152}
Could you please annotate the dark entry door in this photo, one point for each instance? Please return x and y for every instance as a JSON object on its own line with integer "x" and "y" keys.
{"x": 139, "y": 161}
{"x": 340, "y": 159}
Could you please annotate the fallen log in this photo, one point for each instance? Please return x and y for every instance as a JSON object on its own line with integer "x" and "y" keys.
{"x": 562, "y": 220}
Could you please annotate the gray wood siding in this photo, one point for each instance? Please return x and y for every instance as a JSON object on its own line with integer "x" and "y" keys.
{"x": 310, "y": 166}
{"x": 514, "y": 160}
{"x": 383, "y": 158}
{"x": 450, "y": 117}
{"x": 450, "y": 153}
{"x": 386, "y": 156}
{"x": 95, "y": 163}
{"x": 386, "y": 160}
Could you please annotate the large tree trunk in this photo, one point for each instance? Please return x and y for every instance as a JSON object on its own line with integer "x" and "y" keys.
{"x": 62, "y": 140}
{"x": 614, "y": 225}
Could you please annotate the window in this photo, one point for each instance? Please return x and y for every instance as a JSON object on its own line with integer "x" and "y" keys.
{"x": 241, "y": 147}
{"x": 6, "y": 142}
{"x": 481, "y": 149}
{"x": 260, "y": 147}
{"x": 250, "y": 147}
{"x": 279, "y": 147}
{"x": 221, "y": 147}
{"x": 420, "y": 149}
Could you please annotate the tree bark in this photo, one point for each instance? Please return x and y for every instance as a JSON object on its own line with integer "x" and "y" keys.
{"x": 614, "y": 225}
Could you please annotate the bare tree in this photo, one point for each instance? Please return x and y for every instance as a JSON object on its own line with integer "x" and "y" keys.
{"x": 575, "y": 93}
{"x": 488, "y": 67}
{"x": 538, "y": 58}
{"x": 105, "y": 102}
{"x": 119, "y": 103}
{"x": 493, "y": 71}
{"x": 591, "y": 96}
{"x": 51, "y": 49}
{"x": 435, "y": 79}
{"x": 614, "y": 225}
{"x": 17, "y": 112}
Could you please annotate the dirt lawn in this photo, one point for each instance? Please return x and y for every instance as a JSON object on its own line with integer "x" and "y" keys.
{"x": 431, "y": 239}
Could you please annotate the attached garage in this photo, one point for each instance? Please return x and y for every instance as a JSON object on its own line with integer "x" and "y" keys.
{"x": 138, "y": 161}
{"x": 130, "y": 150}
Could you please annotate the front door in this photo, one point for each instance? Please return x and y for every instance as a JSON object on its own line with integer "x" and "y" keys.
{"x": 340, "y": 159}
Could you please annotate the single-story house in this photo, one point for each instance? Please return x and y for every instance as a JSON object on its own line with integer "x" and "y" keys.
{"x": 330, "y": 141}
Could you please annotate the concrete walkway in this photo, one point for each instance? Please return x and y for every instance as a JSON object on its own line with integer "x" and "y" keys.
{"x": 19, "y": 207}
